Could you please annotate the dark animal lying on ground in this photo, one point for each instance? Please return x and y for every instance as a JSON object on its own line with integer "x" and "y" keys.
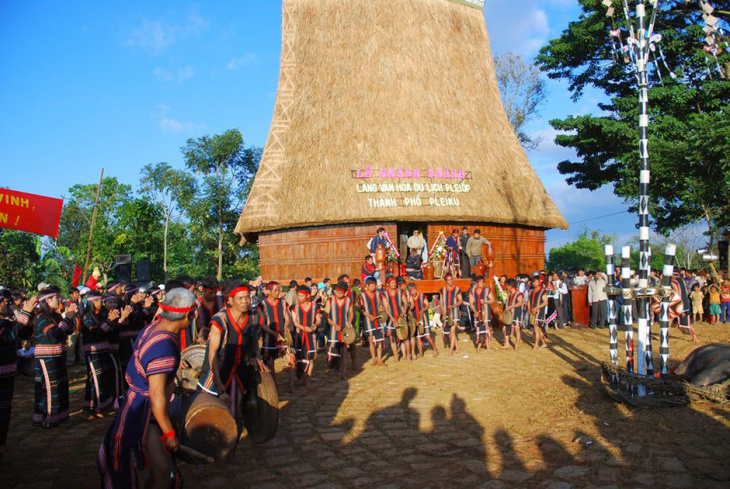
{"x": 707, "y": 365}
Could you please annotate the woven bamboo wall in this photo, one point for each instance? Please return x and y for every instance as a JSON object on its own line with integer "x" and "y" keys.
{"x": 329, "y": 251}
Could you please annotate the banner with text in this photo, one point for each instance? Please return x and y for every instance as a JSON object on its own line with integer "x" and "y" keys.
{"x": 29, "y": 212}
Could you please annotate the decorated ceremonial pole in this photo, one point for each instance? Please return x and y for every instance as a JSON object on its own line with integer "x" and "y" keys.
{"x": 612, "y": 315}
{"x": 626, "y": 315}
{"x": 667, "y": 273}
{"x": 642, "y": 58}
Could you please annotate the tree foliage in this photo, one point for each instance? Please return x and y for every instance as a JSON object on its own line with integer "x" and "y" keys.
{"x": 226, "y": 168}
{"x": 522, "y": 92}
{"x": 689, "y": 132}
{"x": 587, "y": 252}
{"x": 19, "y": 256}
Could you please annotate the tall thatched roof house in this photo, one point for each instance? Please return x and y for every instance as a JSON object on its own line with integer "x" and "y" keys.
{"x": 388, "y": 113}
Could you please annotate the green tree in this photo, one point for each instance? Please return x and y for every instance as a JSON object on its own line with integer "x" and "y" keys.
{"x": 76, "y": 220}
{"x": 172, "y": 191}
{"x": 139, "y": 233}
{"x": 587, "y": 252}
{"x": 689, "y": 132}
{"x": 227, "y": 169}
{"x": 19, "y": 258}
{"x": 522, "y": 92}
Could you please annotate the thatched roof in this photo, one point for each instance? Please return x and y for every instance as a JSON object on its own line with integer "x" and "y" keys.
{"x": 396, "y": 85}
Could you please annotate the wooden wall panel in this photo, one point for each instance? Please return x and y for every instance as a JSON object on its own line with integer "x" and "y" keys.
{"x": 329, "y": 251}
{"x": 516, "y": 249}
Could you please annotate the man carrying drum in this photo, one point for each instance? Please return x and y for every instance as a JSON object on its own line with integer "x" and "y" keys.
{"x": 479, "y": 299}
{"x": 339, "y": 316}
{"x": 397, "y": 309}
{"x": 374, "y": 324}
{"x": 451, "y": 300}
{"x": 419, "y": 309}
{"x": 277, "y": 322}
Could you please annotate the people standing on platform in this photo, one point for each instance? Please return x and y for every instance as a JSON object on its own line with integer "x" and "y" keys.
{"x": 474, "y": 248}
{"x": 378, "y": 239}
{"x": 464, "y": 264}
{"x": 413, "y": 265}
{"x": 416, "y": 242}
{"x": 451, "y": 260}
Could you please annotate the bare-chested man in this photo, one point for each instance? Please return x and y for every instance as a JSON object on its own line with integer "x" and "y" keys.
{"x": 451, "y": 300}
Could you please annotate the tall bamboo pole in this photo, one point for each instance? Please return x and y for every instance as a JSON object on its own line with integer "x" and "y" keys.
{"x": 91, "y": 228}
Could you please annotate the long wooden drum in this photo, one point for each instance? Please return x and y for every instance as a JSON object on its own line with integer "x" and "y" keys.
{"x": 261, "y": 406}
{"x": 204, "y": 423}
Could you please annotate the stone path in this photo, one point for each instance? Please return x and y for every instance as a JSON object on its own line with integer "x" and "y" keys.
{"x": 494, "y": 419}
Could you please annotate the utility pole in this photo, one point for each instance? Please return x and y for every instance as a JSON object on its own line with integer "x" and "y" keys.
{"x": 91, "y": 229}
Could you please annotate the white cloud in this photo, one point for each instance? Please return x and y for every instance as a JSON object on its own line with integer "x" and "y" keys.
{"x": 152, "y": 36}
{"x": 177, "y": 76}
{"x": 166, "y": 123}
{"x": 156, "y": 36}
{"x": 248, "y": 59}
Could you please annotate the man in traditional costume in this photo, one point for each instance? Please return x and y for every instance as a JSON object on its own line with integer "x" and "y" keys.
{"x": 397, "y": 307}
{"x": 451, "y": 300}
{"x": 515, "y": 305}
{"x": 307, "y": 319}
{"x": 12, "y": 328}
{"x": 537, "y": 307}
{"x": 679, "y": 285}
{"x": 419, "y": 310}
{"x": 339, "y": 314}
{"x": 232, "y": 343}
{"x": 277, "y": 322}
{"x": 451, "y": 260}
{"x": 374, "y": 327}
{"x": 208, "y": 304}
{"x": 136, "y": 449}
{"x": 51, "y": 376}
{"x": 117, "y": 320}
{"x": 480, "y": 297}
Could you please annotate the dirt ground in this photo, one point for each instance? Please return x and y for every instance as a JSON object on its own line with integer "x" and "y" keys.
{"x": 502, "y": 418}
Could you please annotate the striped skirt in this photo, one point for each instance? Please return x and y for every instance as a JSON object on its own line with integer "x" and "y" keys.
{"x": 7, "y": 385}
{"x": 98, "y": 394}
{"x": 51, "y": 391}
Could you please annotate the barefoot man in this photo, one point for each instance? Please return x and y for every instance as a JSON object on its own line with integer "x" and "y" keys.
{"x": 419, "y": 309}
{"x": 371, "y": 305}
{"x": 451, "y": 300}
{"x": 537, "y": 308}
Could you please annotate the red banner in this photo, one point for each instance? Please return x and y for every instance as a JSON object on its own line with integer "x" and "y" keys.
{"x": 29, "y": 212}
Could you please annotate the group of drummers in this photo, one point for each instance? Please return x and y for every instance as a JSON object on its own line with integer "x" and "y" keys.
{"x": 394, "y": 320}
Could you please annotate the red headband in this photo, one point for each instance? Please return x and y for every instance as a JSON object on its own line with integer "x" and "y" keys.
{"x": 235, "y": 291}
{"x": 390, "y": 279}
{"x": 181, "y": 310}
{"x": 304, "y": 292}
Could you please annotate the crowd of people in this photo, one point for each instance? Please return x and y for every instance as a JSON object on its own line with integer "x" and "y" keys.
{"x": 130, "y": 339}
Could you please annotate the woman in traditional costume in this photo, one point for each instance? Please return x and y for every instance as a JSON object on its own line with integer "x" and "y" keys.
{"x": 51, "y": 376}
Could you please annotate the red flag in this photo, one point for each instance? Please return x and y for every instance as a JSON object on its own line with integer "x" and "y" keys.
{"x": 29, "y": 212}
{"x": 77, "y": 275}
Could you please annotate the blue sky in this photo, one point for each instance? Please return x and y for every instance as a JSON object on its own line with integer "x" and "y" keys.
{"x": 122, "y": 84}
